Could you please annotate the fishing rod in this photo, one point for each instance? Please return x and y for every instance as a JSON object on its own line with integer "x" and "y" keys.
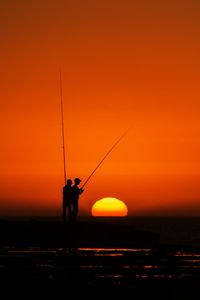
{"x": 63, "y": 129}
{"x": 110, "y": 150}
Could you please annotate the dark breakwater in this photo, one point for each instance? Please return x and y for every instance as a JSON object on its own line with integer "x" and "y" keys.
{"x": 102, "y": 232}
{"x": 80, "y": 234}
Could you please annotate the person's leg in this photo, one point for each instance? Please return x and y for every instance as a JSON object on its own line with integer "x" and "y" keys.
{"x": 69, "y": 211}
{"x": 64, "y": 211}
{"x": 75, "y": 209}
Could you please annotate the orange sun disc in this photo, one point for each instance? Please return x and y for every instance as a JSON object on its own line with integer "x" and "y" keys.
{"x": 109, "y": 206}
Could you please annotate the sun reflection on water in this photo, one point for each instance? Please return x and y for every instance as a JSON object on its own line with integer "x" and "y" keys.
{"x": 119, "y": 266}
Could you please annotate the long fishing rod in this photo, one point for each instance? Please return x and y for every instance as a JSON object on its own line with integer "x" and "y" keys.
{"x": 115, "y": 144}
{"x": 63, "y": 130}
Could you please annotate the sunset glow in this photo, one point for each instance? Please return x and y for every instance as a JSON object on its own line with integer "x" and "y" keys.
{"x": 109, "y": 206}
{"x": 125, "y": 64}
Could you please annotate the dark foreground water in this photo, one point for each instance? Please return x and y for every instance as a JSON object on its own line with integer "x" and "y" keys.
{"x": 130, "y": 258}
{"x": 91, "y": 273}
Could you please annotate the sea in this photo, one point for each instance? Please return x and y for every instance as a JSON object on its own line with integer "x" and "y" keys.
{"x": 168, "y": 270}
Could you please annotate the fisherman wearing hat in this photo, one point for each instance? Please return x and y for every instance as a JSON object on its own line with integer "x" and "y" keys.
{"x": 76, "y": 192}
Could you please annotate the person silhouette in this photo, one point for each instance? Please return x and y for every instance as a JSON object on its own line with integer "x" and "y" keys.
{"x": 67, "y": 199}
{"x": 76, "y": 192}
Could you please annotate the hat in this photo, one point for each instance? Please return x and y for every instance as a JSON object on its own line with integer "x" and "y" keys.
{"x": 77, "y": 180}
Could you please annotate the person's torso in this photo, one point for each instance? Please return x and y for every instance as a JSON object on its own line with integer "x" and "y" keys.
{"x": 75, "y": 192}
{"x": 67, "y": 190}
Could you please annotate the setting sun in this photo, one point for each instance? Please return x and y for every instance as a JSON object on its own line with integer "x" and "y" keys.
{"x": 109, "y": 206}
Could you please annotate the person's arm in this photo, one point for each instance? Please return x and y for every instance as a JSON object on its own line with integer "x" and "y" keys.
{"x": 81, "y": 191}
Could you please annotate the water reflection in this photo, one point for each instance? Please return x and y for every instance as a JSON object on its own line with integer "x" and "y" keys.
{"x": 124, "y": 264}
{"x": 106, "y": 250}
{"x": 186, "y": 254}
{"x": 151, "y": 267}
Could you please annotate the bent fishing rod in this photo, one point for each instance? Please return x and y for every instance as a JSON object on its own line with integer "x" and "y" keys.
{"x": 63, "y": 140}
{"x": 110, "y": 150}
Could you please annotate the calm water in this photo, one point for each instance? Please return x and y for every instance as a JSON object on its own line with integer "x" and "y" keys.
{"x": 171, "y": 270}
{"x": 104, "y": 263}
{"x": 52, "y": 270}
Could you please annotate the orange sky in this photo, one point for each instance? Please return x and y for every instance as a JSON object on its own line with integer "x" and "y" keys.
{"x": 124, "y": 63}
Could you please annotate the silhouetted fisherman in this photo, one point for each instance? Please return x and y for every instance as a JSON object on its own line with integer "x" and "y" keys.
{"x": 67, "y": 199}
{"x": 76, "y": 192}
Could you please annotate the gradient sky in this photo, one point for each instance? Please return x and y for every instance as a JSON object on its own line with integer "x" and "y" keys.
{"x": 124, "y": 63}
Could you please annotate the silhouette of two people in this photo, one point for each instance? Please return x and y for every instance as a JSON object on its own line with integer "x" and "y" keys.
{"x": 71, "y": 199}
